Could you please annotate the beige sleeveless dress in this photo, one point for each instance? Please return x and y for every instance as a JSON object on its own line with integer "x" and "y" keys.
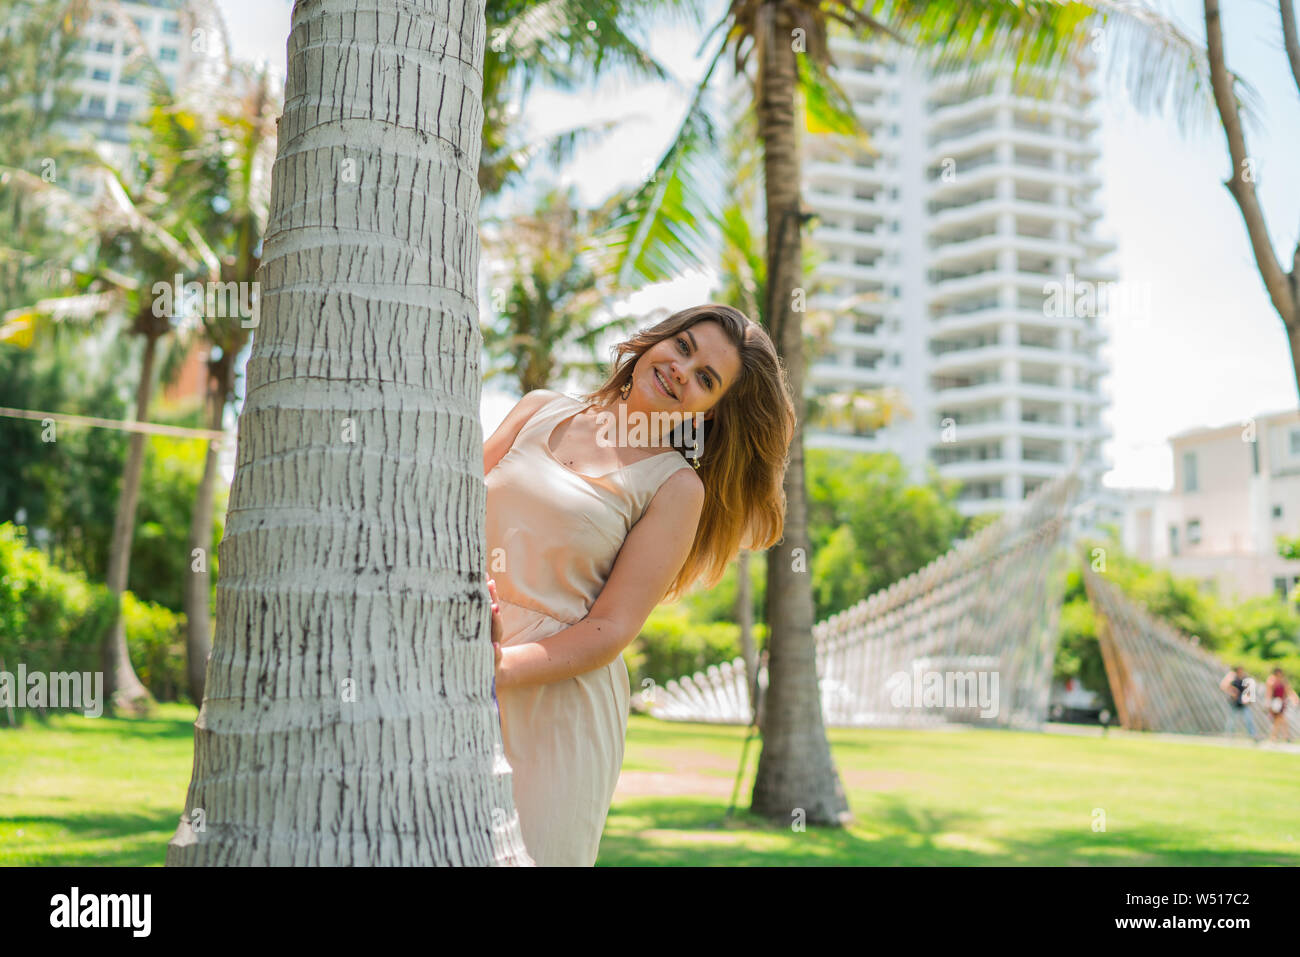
{"x": 552, "y": 537}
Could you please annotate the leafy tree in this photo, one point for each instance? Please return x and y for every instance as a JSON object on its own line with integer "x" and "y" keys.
{"x": 870, "y": 526}
{"x": 546, "y": 294}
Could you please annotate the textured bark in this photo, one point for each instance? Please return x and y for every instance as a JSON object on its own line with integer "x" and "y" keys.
{"x": 122, "y": 688}
{"x": 348, "y": 716}
{"x": 795, "y": 770}
{"x": 745, "y": 618}
{"x": 198, "y": 583}
{"x": 1290, "y": 38}
{"x": 1283, "y": 287}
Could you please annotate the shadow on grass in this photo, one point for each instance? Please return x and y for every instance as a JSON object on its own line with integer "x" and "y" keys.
{"x": 155, "y": 726}
{"x": 140, "y": 839}
{"x": 684, "y": 831}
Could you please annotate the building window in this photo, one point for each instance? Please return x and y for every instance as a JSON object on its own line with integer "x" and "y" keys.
{"x": 1254, "y": 456}
{"x": 1277, "y": 511}
{"x": 1173, "y": 539}
{"x": 104, "y": 46}
{"x": 124, "y": 108}
{"x": 171, "y": 27}
{"x": 167, "y": 53}
{"x": 1190, "y": 483}
{"x": 1295, "y": 441}
{"x": 1193, "y": 531}
{"x": 101, "y": 75}
{"x": 1279, "y": 586}
{"x": 96, "y": 106}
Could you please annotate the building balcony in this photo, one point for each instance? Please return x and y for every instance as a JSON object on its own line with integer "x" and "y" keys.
{"x": 878, "y": 238}
{"x": 951, "y": 143}
{"x": 828, "y": 373}
{"x": 1096, "y": 246}
{"x": 947, "y": 290}
{"x": 820, "y": 200}
{"x": 1070, "y": 112}
{"x": 851, "y": 338}
{"x": 826, "y": 439}
{"x": 987, "y": 173}
{"x": 881, "y": 274}
{"x": 953, "y": 251}
{"x": 847, "y": 172}
{"x": 958, "y": 359}
{"x": 961, "y": 113}
{"x": 987, "y": 209}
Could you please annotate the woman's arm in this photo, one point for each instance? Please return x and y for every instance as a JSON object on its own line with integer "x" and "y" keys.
{"x": 495, "y": 448}
{"x": 652, "y": 555}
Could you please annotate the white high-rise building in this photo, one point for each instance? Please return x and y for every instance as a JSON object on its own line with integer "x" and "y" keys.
{"x": 113, "y": 88}
{"x": 969, "y": 230}
{"x": 185, "y": 39}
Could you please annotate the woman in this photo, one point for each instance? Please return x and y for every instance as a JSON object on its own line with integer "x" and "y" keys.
{"x": 1278, "y": 696}
{"x": 585, "y": 536}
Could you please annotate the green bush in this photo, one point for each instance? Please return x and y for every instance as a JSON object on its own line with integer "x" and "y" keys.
{"x": 155, "y": 639}
{"x": 50, "y": 620}
{"x": 53, "y": 620}
{"x": 1258, "y": 633}
{"x": 671, "y": 645}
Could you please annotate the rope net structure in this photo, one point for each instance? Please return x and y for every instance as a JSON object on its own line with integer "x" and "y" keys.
{"x": 969, "y": 638}
{"x": 1159, "y": 679}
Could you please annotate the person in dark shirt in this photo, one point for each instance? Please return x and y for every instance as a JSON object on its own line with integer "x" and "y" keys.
{"x": 1239, "y": 687}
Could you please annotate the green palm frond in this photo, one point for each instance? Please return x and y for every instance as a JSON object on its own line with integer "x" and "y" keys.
{"x": 1162, "y": 69}
{"x": 1158, "y": 65}
{"x": 664, "y": 225}
{"x": 827, "y": 108}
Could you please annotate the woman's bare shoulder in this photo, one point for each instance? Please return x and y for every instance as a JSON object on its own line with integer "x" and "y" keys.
{"x": 534, "y": 400}
{"x": 684, "y": 485}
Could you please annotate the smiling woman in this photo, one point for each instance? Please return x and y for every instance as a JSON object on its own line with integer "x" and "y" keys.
{"x": 585, "y": 537}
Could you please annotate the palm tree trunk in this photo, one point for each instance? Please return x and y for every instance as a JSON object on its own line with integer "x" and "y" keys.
{"x": 795, "y": 770}
{"x": 745, "y": 618}
{"x": 348, "y": 716}
{"x": 198, "y": 583}
{"x": 122, "y": 688}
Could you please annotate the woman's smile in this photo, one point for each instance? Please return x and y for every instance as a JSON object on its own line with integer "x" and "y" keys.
{"x": 663, "y": 384}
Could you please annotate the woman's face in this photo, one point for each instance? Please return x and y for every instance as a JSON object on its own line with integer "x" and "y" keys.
{"x": 687, "y": 372}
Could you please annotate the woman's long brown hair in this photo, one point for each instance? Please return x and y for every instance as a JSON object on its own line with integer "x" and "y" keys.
{"x": 745, "y": 446}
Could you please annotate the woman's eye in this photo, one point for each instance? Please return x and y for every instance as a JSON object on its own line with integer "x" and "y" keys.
{"x": 682, "y": 342}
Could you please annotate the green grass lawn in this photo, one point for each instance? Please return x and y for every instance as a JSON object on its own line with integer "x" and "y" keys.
{"x": 109, "y": 791}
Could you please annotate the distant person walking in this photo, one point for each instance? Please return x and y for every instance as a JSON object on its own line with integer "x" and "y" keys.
{"x": 1237, "y": 686}
{"x": 1279, "y": 693}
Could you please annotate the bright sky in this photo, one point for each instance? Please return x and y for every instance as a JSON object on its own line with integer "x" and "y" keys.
{"x": 1211, "y": 352}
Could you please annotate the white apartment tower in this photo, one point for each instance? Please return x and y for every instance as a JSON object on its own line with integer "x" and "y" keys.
{"x": 186, "y": 39}
{"x": 111, "y": 85}
{"x": 972, "y": 226}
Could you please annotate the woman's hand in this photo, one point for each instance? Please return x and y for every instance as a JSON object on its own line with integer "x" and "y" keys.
{"x": 498, "y": 628}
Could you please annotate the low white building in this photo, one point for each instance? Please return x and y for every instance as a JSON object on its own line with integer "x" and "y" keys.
{"x": 1236, "y": 491}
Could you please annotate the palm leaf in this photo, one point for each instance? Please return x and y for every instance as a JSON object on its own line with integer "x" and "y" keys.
{"x": 663, "y": 226}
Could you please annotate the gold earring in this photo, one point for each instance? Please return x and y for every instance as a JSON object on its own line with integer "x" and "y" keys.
{"x": 627, "y": 389}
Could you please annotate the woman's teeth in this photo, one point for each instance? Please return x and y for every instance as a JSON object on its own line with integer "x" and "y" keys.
{"x": 664, "y": 385}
